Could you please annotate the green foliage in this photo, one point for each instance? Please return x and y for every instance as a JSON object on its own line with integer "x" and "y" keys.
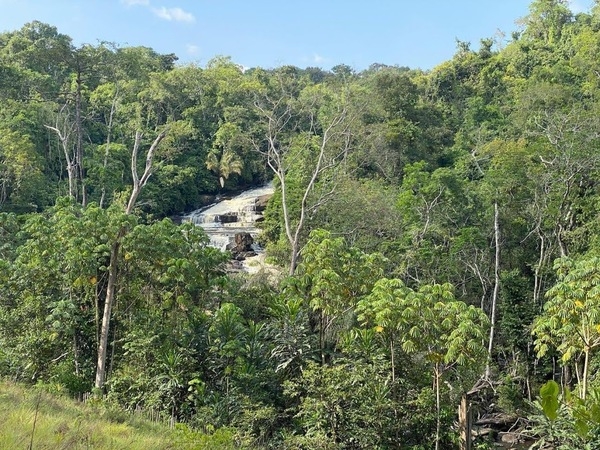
{"x": 566, "y": 419}
{"x": 332, "y": 278}
{"x": 347, "y": 404}
{"x": 549, "y": 399}
{"x": 428, "y": 321}
{"x": 570, "y": 319}
{"x": 355, "y": 350}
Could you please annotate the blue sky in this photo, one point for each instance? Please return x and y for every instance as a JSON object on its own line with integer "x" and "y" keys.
{"x": 271, "y": 33}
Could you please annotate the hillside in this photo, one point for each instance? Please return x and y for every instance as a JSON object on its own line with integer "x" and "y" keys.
{"x": 436, "y": 232}
{"x": 34, "y": 418}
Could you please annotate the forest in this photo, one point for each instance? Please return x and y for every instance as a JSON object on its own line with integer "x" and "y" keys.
{"x": 436, "y": 235}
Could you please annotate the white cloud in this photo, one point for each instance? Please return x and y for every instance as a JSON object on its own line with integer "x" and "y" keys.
{"x": 192, "y": 49}
{"x": 136, "y": 2}
{"x": 173, "y": 14}
{"x": 318, "y": 59}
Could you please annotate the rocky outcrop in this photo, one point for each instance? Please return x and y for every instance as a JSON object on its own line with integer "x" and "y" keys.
{"x": 261, "y": 202}
{"x": 241, "y": 247}
{"x": 230, "y": 217}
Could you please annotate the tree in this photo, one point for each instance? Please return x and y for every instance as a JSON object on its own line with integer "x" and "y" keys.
{"x": 115, "y": 251}
{"x": 571, "y": 317}
{"x": 20, "y": 166}
{"x": 55, "y": 279}
{"x": 321, "y": 147}
{"x": 332, "y": 277}
{"x": 346, "y": 405}
{"x": 223, "y": 159}
{"x": 546, "y": 20}
{"x": 429, "y": 321}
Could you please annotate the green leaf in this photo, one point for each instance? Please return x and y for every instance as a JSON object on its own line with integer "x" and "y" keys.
{"x": 549, "y": 399}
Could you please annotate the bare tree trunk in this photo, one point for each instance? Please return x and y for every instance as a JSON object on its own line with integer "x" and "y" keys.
{"x": 325, "y": 161}
{"x": 70, "y": 160}
{"x": 537, "y": 284}
{"x": 392, "y": 360}
{"x": 438, "y": 424}
{"x": 464, "y": 423}
{"x": 108, "y": 303}
{"x": 138, "y": 184}
{"x": 496, "y": 289}
{"x": 322, "y": 337}
{"x": 586, "y": 363}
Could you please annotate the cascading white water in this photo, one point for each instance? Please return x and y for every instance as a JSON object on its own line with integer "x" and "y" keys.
{"x": 224, "y": 219}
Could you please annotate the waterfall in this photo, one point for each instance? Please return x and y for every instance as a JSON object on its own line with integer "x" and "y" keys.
{"x": 238, "y": 214}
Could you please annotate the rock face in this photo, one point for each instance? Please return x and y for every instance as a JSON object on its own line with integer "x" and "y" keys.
{"x": 241, "y": 247}
{"x": 261, "y": 202}
{"x": 230, "y": 217}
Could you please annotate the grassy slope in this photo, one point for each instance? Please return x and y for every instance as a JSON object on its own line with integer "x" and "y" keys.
{"x": 65, "y": 424}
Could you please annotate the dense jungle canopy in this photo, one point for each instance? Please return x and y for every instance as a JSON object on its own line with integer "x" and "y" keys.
{"x": 437, "y": 233}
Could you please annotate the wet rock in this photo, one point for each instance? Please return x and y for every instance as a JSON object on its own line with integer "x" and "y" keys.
{"x": 261, "y": 202}
{"x": 243, "y": 242}
{"x": 226, "y": 218}
{"x": 241, "y": 247}
{"x": 243, "y": 255}
{"x": 509, "y": 437}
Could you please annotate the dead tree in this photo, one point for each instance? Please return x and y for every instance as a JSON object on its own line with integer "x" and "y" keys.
{"x": 326, "y": 144}
{"x": 115, "y": 252}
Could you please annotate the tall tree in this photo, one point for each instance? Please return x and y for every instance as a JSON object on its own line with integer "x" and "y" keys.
{"x": 115, "y": 251}
{"x": 430, "y": 321}
{"x": 308, "y": 158}
{"x": 571, "y": 315}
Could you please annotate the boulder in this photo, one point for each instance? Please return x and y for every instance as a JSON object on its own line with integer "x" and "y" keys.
{"x": 243, "y": 242}
{"x": 241, "y": 247}
{"x": 243, "y": 255}
{"x": 226, "y": 218}
{"x": 261, "y": 202}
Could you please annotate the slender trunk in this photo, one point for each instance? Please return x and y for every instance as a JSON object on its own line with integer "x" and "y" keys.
{"x": 528, "y": 370}
{"x": 464, "y": 423}
{"x": 107, "y": 149}
{"x": 322, "y": 336}
{"x": 97, "y": 314}
{"x": 286, "y": 219}
{"x": 138, "y": 184}
{"x": 69, "y": 159}
{"x": 537, "y": 284}
{"x": 392, "y": 360}
{"x": 108, "y": 303}
{"x": 76, "y": 353}
{"x": 293, "y": 257}
{"x": 496, "y": 289}
{"x": 438, "y": 423}
{"x": 3, "y": 191}
{"x": 71, "y": 175}
{"x": 561, "y": 243}
{"x": 584, "y": 381}
{"x": 112, "y": 348}
{"x": 79, "y": 136}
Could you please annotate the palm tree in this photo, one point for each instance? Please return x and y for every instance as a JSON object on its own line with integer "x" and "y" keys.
{"x": 222, "y": 159}
{"x": 224, "y": 163}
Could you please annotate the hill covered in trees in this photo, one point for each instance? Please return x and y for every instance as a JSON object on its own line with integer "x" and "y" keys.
{"x": 438, "y": 231}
